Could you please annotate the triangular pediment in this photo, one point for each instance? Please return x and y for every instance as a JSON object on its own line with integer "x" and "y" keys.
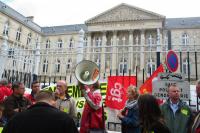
{"x": 124, "y": 12}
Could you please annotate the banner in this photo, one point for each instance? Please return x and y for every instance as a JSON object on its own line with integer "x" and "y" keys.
{"x": 116, "y": 91}
{"x": 147, "y": 86}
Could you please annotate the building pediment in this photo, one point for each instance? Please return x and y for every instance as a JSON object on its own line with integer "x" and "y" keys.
{"x": 124, "y": 12}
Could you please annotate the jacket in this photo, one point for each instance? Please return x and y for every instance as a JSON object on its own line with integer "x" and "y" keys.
{"x": 130, "y": 122}
{"x": 180, "y": 122}
{"x": 157, "y": 127}
{"x": 196, "y": 124}
{"x": 92, "y": 112}
{"x": 41, "y": 118}
{"x": 13, "y": 102}
{"x": 30, "y": 97}
{"x": 68, "y": 105}
{"x": 4, "y": 92}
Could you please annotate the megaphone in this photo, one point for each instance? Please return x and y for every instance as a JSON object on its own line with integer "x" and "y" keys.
{"x": 87, "y": 72}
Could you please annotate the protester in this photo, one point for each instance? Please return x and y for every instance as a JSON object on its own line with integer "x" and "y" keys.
{"x": 150, "y": 115}
{"x": 65, "y": 102}
{"x": 16, "y": 102}
{"x": 35, "y": 87}
{"x": 130, "y": 114}
{"x": 92, "y": 113}
{"x": 1, "y": 116}
{"x": 41, "y": 117}
{"x": 196, "y": 123}
{"x": 4, "y": 90}
{"x": 177, "y": 114}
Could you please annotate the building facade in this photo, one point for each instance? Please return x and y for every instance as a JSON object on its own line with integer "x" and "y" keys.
{"x": 124, "y": 40}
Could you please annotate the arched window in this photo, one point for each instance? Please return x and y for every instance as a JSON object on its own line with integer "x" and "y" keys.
{"x": 57, "y": 66}
{"x": 150, "y": 40}
{"x": 48, "y": 43}
{"x": 18, "y": 34}
{"x": 60, "y": 43}
{"x": 45, "y": 66}
{"x": 185, "y": 66}
{"x": 69, "y": 64}
{"x": 25, "y": 62}
{"x": 123, "y": 66}
{"x": 151, "y": 67}
{"x": 71, "y": 43}
{"x": 29, "y": 39}
{"x": 185, "y": 39}
{"x": 6, "y": 28}
{"x": 98, "y": 42}
{"x": 85, "y": 41}
{"x": 98, "y": 61}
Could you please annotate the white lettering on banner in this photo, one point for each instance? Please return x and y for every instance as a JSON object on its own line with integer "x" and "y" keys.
{"x": 116, "y": 92}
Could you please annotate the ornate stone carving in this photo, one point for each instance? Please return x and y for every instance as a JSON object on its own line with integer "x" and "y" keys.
{"x": 124, "y": 13}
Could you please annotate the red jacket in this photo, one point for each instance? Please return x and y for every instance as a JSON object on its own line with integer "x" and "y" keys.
{"x": 30, "y": 97}
{"x": 92, "y": 113}
{"x": 4, "y": 92}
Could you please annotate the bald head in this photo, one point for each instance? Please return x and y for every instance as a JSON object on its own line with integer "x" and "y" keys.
{"x": 62, "y": 82}
{"x": 61, "y": 87}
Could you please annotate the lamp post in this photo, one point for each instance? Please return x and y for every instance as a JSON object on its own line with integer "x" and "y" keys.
{"x": 3, "y": 55}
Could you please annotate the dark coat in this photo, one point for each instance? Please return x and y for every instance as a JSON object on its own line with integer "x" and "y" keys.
{"x": 41, "y": 118}
{"x": 158, "y": 127}
{"x": 130, "y": 123}
{"x": 13, "y": 102}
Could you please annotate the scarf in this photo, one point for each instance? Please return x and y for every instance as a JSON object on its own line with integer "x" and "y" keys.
{"x": 131, "y": 104}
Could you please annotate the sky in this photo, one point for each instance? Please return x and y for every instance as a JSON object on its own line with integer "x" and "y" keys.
{"x": 66, "y": 12}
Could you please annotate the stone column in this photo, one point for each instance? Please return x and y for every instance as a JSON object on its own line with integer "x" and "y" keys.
{"x": 88, "y": 49}
{"x": 103, "y": 51}
{"x": 114, "y": 51}
{"x": 3, "y": 54}
{"x": 130, "y": 49}
{"x": 142, "y": 43}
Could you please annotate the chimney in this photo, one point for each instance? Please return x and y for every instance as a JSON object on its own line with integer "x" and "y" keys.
{"x": 30, "y": 18}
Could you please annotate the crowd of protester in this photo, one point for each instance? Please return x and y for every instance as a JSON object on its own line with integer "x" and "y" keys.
{"x": 44, "y": 111}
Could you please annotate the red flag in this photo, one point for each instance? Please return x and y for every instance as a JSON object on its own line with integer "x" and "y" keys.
{"x": 147, "y": 86}
{"x": 116, "y": 90}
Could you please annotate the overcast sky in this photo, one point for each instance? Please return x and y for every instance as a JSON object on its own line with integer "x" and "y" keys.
{"x": 66, "y": 12}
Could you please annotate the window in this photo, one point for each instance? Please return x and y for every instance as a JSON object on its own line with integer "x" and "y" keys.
{"x": 48, "y": 43}
{"x": 151, "y": 40}
{"x": 25, "y": 60}
{"x": 185, "y": 67}
{"x": 57, "y": 66}
{"x": 45, "y": 66}
{"x": 60, "y": 43}
{"x": 185, "y": 39}
{"x": 98, "y": 42}
{"x": 18, "y": 35}
{"x": 69, "y": 64}
{"x": 98, "y": 62}
{"x": 29, "y": 39}
{"x": 85, "y": 41}
{"x": 123, "y": 66}
{"x": 14, "y": 63}
{"x": 11, "y": 53}
{"x": 151, "y": 67}
{"x": 71, "y": 43}
{"x": 5, "y": 29}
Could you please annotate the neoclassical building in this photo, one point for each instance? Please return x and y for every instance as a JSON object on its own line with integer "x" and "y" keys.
{"x": 124, "y": 40}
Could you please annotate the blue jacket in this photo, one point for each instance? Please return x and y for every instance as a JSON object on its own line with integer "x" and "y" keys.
{"x": 130, "y": 123}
